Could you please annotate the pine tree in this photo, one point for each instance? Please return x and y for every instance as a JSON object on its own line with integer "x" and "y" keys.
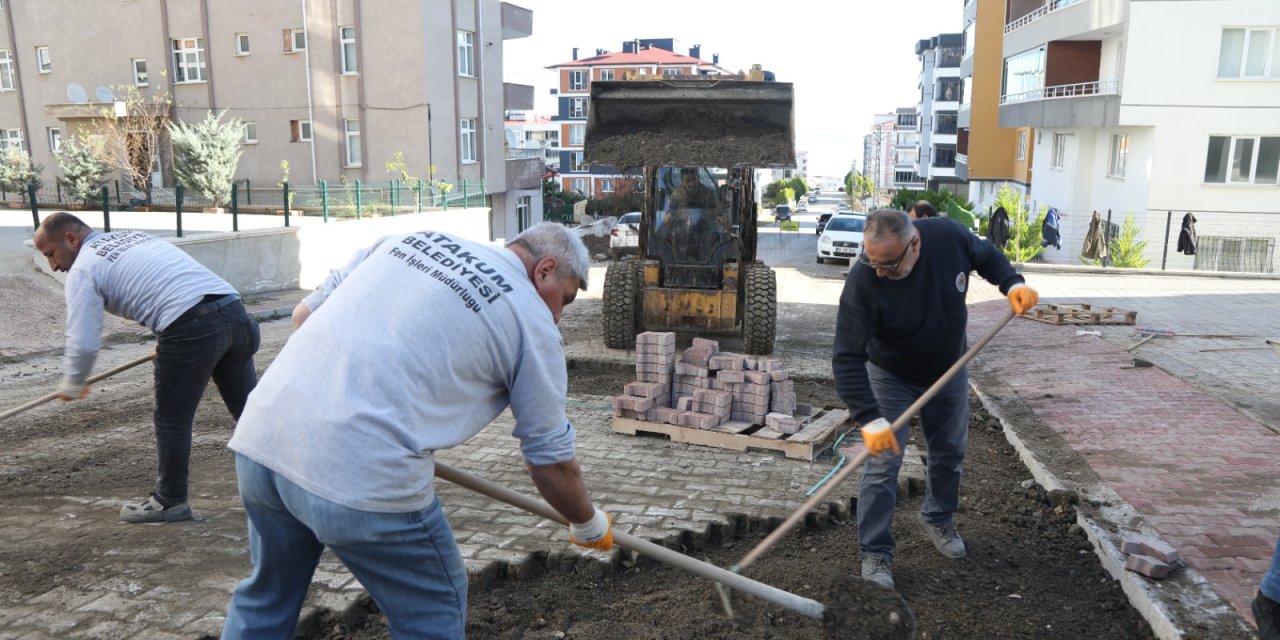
{"x": 1125, "y": 249}
{"x": 1024, "y": 228}
{"x": 83, "y": 169}
{"x": 17, "y": 170}
{"x": 206, "y": 154}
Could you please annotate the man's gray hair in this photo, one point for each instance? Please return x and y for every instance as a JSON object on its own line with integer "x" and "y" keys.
{"x": 551, "y": 240}
{"x": 885, "y": 223}
{"x": 61, "y": 222}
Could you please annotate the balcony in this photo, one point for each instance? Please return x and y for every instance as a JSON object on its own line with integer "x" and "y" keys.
{"x": 517, "y": 22}
{"x": 1064, "y": 106}
{"x": 1036, "y": 14}
{"x": 524, "y": 172}
{"x": 517, "y": 96}
{"x": 1061, "y": 20}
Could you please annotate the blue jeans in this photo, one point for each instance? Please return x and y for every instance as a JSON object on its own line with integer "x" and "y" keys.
{"x": 1270, "y": 586}
{"x": 212, "y": 340}
{"x": 945, "y": 423}
{"x": 408, "y": 562}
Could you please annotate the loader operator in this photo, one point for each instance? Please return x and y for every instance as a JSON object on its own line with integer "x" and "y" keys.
{"x": 692, "y": 226}
{"x": 414, "y": 345}
{"x": 202, "y": 332}
{"x": 691, "y": 193}
{"x": 900, "y": 326}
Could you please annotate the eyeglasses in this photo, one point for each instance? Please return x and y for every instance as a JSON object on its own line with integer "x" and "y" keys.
{"x": 890, "y": 266}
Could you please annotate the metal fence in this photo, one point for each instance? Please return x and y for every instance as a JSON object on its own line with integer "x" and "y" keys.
{"x": 344, "y": 200}
{"x": 1226, "y": 241}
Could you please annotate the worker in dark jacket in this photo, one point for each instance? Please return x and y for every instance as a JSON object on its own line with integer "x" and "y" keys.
{"x": 900, "y": 326}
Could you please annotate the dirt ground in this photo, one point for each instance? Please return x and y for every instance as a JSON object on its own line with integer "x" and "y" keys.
{"x": 1030, "y": 572}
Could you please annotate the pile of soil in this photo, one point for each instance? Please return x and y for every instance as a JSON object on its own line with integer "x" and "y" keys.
{"x": 596, "y": 246}
{"x": 1030, "y": 573}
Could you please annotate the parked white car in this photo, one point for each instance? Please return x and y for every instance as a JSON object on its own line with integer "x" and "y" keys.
{"x": 841, "y": 239}
{"x": 624, "y": 237}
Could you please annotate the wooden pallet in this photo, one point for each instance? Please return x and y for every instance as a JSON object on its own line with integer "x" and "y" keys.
{"x": 1080, "y": 313}
{"x": 812, "y": 439}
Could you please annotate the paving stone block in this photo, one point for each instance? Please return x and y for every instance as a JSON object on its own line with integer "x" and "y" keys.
{"x": 661, "y": 338}
{"x": 668, "y": 415}
{"x": 782, "y": 423}
{"x": 646, "y": 389}
{"x": 696, "y": 356}
{"x": 770, "y": 364}
{"x": 1152, "y": 547}
{"x": 632, "y": 403}
{"x": 713, "y": 345}
{"x": 686, "y": 369}
{"x": 660, "y": 359}
{"x": 726, "y": 361}
{"x": 784, "y": 386}
{"x": 684, "y": 403}
{"x": 758, "y": 377}
{"x": 1147, "y": 566}
{"x": 643, "y": 376}
{"x": 730, "y": 375}
{"x": 701, "y": 420}
{"x": 779, "y": 375}
{"x": 714, "y": 398}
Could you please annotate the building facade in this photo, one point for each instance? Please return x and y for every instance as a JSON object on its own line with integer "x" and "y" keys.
{"x": 1130, "y": 120}
{"x": 303, "y": 77}
{"x": 877, "y": 155}
{"x": 987, "y": 156}
{"x": 938, "y": 110}
{"x": 906, "y": 153}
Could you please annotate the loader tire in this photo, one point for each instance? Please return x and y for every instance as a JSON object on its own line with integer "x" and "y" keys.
{"x": 620, "y": 308}
{"x": 760, "y": 309}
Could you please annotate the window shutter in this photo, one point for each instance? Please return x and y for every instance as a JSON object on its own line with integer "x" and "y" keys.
{"x": 288, "y": 44}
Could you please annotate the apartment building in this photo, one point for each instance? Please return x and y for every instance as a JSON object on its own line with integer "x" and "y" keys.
{"x": 987, "y": 156}
{"x": 1130, "y": 119}
{"x": 642, "y": 57}
{"x": 533, "y": 135}
{"x": 906, "y": 152}
{"x": 877, "y": 154}
{"x": 334, "y": 87}
{"x": 938, "y": 109}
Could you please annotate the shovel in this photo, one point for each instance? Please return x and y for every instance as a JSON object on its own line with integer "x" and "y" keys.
{"x": 892, "y": 626}
{"x": 101, "y": 376}
{"x": 819, "y": 496}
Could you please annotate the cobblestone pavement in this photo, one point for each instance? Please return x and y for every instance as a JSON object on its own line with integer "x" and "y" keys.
{"x": 1163, "y": 446}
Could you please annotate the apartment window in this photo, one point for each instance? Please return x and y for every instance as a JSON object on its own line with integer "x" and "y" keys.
{"x": 351, "y": 139}
{"x": 1024, "y": 74}
{"x": 524, "y": 211}
{"x": 670, "y": 72}
{"x": 1022, "y": 146}
{"x": 945, "y": 122}
{"x": 1058, "y": 154}
{"x": 1119, "y": 155}
{"x": 577, "y": 107}
{"x": 606, "y": 74}
{"x": 55, "y": 139}
{"x": 295, "y": 40}
{"x": 300, "y": 130}
{"x": 579, "y": 185}
{"x": 948, "y": 89}
{"x": 944, "y": 156}
{"x": 43, "y": 63}
{"x": 1250, "y": 52}
{"x": 968, "y": 38}
{"x": 577, "y": 133}
{"x": 966, "y": 94}
{"x": 188, "y": 60}
{"x": 950, "y": 56}
{"x": 139, "y": 72}
{"x": 576, "y": 165}
{"x": 466, "y": 54}
{"x": 242, "y": 44}
{"x": 606, "y": 185}
{"x": 348, "y": 37}
{"x": 10, "y": 138}
{"x": 6, "y": 71}
{"x": 468, "y": 139}
{"x": 1243, "y": 160}
{"x": 250, "y": 133}
{"x": 577, "y": 80}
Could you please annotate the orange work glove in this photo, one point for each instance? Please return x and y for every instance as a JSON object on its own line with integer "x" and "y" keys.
{"x": 596, "y": 533}
{"x": 879, "y": 437}
{"x": 1022, "y": 298}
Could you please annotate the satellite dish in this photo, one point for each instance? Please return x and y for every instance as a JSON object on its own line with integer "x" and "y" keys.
{"x": 104, "y": 94}
{"x": 512, "y": 140}
{"x": 76, "y": 94}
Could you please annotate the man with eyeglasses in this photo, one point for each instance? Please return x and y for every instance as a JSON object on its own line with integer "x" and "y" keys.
{"x": 900, "y": 326}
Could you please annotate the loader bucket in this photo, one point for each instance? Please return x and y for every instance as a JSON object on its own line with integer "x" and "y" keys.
{"x": 711, "y": 123}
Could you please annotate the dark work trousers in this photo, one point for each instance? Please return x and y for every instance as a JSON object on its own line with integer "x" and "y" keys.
{"x": 216, "y": 339}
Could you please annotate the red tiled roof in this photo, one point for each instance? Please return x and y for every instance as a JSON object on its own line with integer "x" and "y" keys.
{"x": 537, "y": 120}
{"x": 646, "y": 55}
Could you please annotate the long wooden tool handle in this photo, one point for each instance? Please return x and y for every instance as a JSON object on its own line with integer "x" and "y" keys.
{"x": 105, "y": 374}
{"x": 901, "y": 423}
{"x": 803, "y": 606}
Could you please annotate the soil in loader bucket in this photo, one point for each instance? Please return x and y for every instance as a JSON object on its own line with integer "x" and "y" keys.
{"x": 714, "y": 123}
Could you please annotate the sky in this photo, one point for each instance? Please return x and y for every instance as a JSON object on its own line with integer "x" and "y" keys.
{"x": 848, "y": 59}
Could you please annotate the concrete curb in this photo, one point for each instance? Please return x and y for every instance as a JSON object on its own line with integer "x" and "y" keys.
{"x": 1182, "y": 606}
{"x": 1041, "y": 267}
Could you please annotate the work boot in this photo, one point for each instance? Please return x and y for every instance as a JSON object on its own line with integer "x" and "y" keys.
{"x": 1266, "y": 612}
{"x": 944, "y": 537}
{"x": 151, "y": 510}
{"x": 878, "y": 569}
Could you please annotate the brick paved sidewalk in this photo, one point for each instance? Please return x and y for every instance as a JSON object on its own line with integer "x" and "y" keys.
{"x": 1194, "y": 470}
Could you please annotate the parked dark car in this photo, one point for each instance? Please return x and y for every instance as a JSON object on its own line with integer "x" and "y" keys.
{"x": 782, "y": 213}
{"x": 822, "y": 221}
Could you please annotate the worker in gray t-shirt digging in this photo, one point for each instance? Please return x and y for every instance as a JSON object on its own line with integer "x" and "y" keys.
{"x": 415, "y": 345}
{"x": 202, "y": 332}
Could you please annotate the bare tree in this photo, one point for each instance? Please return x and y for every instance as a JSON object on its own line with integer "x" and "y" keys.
{"x": 130, "y": 133}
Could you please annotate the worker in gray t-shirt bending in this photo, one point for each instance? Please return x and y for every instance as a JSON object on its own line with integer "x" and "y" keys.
{"x": 201, "y": 328}
{"x": 413, "y": 346}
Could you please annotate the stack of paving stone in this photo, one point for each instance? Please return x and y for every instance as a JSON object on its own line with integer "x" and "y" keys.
{"x": 706, "y": 388}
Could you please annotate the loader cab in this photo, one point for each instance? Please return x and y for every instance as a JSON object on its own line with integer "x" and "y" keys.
{"x": 695, "y": 227}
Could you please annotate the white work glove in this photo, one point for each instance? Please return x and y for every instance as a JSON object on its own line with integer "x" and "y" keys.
{"x": 879, "y": 437}
{"x": 71, "y": 391}
{"x": 596, "y": 533}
